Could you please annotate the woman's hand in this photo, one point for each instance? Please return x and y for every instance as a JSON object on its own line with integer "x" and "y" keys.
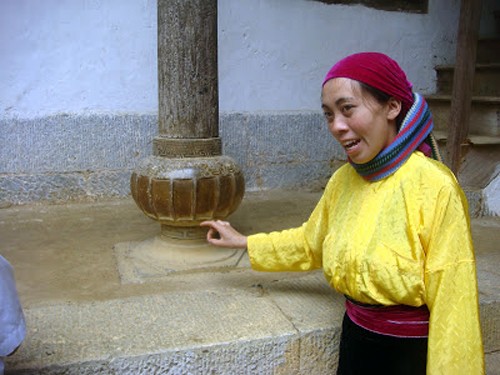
{"x": 221, "y": 233}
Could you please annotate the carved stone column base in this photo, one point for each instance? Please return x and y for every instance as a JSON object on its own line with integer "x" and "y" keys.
{"x": 180, "y": 193}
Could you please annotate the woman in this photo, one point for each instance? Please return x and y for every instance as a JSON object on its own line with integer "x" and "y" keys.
{"x": 391, "y": 232}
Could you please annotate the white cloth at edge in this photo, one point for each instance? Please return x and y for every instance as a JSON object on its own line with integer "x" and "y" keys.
{"x": 12, "y": 323}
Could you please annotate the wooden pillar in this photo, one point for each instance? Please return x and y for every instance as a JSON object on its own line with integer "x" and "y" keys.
{"x": 187, "y": 179}
{"x": 187, "y": 68}
{"x": 461, "y": 99}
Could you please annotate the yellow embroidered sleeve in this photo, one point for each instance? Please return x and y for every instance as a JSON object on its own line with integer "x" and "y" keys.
{"x": 297, "y": 249}
{"x": 455, "y": 343}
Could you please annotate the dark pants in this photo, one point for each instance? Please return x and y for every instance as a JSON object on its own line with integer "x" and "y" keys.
{"x": 364, "y": 352}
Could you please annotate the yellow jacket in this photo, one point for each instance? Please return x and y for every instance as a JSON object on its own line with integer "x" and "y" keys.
{"x": 402, "y": 240}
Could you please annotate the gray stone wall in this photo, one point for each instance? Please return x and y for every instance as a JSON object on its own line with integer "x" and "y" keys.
{"x": 89, "y": 157}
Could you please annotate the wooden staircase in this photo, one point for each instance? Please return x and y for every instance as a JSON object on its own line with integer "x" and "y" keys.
{"x": 481, "y": 161}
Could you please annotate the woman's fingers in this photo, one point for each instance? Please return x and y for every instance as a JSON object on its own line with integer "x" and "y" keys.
{"x": 212, "y": 233}
{"x": 214, "y": 229}
{"x": 221, "y": 233}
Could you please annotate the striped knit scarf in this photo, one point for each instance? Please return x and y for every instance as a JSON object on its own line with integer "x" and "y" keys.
{"x": 415, "y": 130}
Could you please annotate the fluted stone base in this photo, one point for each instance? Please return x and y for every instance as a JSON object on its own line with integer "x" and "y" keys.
{"x": 180, "y": 193}
{"x": 185, "y": 182}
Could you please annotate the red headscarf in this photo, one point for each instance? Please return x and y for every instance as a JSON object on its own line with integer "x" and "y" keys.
{"x": 377, "y": 70}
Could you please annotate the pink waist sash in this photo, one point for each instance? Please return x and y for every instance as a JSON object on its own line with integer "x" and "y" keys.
{"x": 399, "y": 321}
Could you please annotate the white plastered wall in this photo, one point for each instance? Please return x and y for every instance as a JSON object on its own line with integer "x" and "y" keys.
{"x": 93, "y": 56}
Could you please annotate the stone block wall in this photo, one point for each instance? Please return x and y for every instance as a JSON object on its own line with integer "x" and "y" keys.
{"x": 66, "y": 158}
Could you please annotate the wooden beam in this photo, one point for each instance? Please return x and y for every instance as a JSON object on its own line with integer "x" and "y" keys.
{"x": 461, "y": 98}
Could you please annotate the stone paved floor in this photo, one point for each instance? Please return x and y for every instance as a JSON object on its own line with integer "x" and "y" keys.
{"x": 66, "y": 254}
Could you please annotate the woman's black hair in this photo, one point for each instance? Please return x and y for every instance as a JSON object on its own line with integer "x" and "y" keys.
{"x": 382, "y": 98}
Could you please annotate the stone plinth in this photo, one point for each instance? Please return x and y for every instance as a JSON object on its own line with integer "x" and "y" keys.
{"x": 180, "y": 193}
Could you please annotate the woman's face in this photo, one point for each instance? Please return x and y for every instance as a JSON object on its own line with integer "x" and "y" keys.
{"x": 362, "y": 125}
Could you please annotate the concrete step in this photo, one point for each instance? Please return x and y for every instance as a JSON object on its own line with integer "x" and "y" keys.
{"x": 478, "y": 172}
{"x": 486, "y": 79}
{"x": 85, "y": 317}
{"x": 484, "y": 118}
{"x": 488, "y": 50}
{"x": 480, "y": 161}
